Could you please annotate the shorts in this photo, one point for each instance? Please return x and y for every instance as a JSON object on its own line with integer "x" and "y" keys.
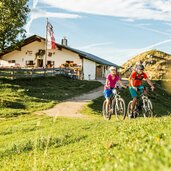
{"x": 133, "y": 91}
{"x": 108, "y": 93}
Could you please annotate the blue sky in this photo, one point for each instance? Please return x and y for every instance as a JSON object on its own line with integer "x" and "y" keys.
{"x": 115, "y": 30}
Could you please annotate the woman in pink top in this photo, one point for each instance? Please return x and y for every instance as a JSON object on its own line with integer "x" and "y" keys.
{"x": 110, "y": 85}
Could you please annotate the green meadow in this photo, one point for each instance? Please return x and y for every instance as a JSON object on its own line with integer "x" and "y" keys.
{"x": 31, "y": 142}
{"x": 18, "y": 97}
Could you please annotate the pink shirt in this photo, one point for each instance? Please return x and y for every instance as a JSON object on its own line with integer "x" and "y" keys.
{"x": 112, "y": 82}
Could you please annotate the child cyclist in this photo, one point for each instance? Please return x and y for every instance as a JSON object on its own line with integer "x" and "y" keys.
{"x": 110, "y": 86}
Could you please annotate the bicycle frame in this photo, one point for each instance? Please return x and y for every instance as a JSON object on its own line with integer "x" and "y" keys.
{"x": 145, "y": 101}
{"x": 117, "y": 107}
{"x": 144, "y": 106}
{"x": 115, "y": 96}
{"x": 114, "y": 101}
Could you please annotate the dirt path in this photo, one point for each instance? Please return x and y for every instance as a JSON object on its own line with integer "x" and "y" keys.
{"x": 72, "y": 107}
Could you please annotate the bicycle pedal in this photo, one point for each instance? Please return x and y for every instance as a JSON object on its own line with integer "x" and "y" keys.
{"x": 135, "y": 115}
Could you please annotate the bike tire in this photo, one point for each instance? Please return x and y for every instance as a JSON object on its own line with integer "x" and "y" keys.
{"x": 120, "y": 110}
{"x": 129, "y": 109}
{"x": 106, "y": 114}
{"x": 150, "y": 104}
{"x": 113, "y": 106}
{"x": 148, "y": 109}
{"x": 128, "y": 113}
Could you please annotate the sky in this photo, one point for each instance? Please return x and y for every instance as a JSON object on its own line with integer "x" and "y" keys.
{"x": 115, "y": 30}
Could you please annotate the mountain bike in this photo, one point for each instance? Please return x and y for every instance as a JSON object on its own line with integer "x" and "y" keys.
{"x": 116, "y": 106}
{"x": 143, "y": 106}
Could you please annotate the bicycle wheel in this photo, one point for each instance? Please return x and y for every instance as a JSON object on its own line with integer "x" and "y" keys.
{"x": 112, "y": 107}
{"x": 120, "y": 109}
{"x": 148, "y": 109}
{"x": 150, "y": 105}
{"x": 129, "y": 110}
{"x": 106, "y": 114}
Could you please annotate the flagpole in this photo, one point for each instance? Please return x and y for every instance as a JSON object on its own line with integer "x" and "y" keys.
{"x": 46, "y": 42}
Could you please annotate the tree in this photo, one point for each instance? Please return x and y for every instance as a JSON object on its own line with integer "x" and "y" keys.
{"x": 12, "y": 19}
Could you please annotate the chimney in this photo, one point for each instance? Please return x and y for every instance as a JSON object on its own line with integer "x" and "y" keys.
{"x": 64, "y": 41}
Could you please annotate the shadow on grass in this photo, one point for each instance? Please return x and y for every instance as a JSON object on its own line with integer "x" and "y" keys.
{"x": 12, "y": 105}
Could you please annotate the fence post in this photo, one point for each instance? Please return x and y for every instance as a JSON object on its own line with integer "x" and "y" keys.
{"x": 53, "y": 71}
{"x": 32, "y": 73}
{"x": 13, "y": 73}
{"x": 59, "y": 70}
{"x": 44, "y": 72}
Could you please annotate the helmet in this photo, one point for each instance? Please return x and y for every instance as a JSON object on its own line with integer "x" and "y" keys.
{"x": 138, "y": 63}
{"x": 141, "y": 67}
{"x": 112, "y": 68}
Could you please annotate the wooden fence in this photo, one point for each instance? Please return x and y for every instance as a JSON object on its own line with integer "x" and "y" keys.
{"x": 16, "y": 73}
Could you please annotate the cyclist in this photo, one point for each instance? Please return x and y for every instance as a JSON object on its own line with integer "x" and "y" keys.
{"x": 135, "y": 84}
{"x": 110, "y": 86}
{"x": 134, "y": 69}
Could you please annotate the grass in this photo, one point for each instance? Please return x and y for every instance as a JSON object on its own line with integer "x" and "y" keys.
{"x": 26, "y": 96}
{"x": 42, "y": 143}
{"x": 30, "y": 142}
{"x": 160, "y": 98}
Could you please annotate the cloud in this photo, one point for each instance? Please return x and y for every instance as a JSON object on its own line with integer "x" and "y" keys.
{"x": 144, "y": 24}
{"x": 41, "y": 13}
{"x": 169, "y": 24}
{"x": 163, "y": 5}
{"x": 44, "y": 14}
{"x": 94, "y": 45}
{"x": 120, "y": 55}
{"x": 128, "y": 20}
{"x": 132, "y": 9}
{"x": 38, "y": 13}
{"x": 152, "y": 30}
{"x": 35, "y": 2}
{"x": 157, "y": 44}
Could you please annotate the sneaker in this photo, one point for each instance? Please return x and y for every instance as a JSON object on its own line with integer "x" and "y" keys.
{"x": 111, "y": 111}
{"x": 135, "y": 115}
{"x": 139, "y": 108}
{"x": 108, "y": 114}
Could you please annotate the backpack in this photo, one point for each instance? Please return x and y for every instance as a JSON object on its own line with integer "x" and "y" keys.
{"x": 142, "y": 76}
{"x": 136, "y": 78}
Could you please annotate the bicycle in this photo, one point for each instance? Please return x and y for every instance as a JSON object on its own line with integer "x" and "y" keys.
{"x": 116, "y": 106}
{"x": 143, "y": 106}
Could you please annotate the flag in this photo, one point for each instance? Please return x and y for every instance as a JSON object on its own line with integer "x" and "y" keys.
{"x": 50, "y": 37}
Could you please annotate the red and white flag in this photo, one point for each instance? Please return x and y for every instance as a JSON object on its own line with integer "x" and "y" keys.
{"x": 50, "y": 37}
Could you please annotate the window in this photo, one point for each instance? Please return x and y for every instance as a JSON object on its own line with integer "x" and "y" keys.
{"x": 50, "y": 64}
{"x": 29, "y": 63}
{"x": 11, "y": 61}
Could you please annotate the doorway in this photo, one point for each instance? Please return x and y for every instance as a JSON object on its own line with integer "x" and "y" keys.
{"x": 99, "y": 71}
{"x": 40, "y": 63}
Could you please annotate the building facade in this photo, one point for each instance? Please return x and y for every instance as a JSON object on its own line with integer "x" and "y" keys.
{"x": 31, "y": 54}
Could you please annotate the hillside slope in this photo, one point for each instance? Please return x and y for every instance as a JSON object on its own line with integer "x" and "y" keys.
{"x": 156, "y": 63}
{"x": 24, "y": 96}
{"x": 92, "y": 143}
